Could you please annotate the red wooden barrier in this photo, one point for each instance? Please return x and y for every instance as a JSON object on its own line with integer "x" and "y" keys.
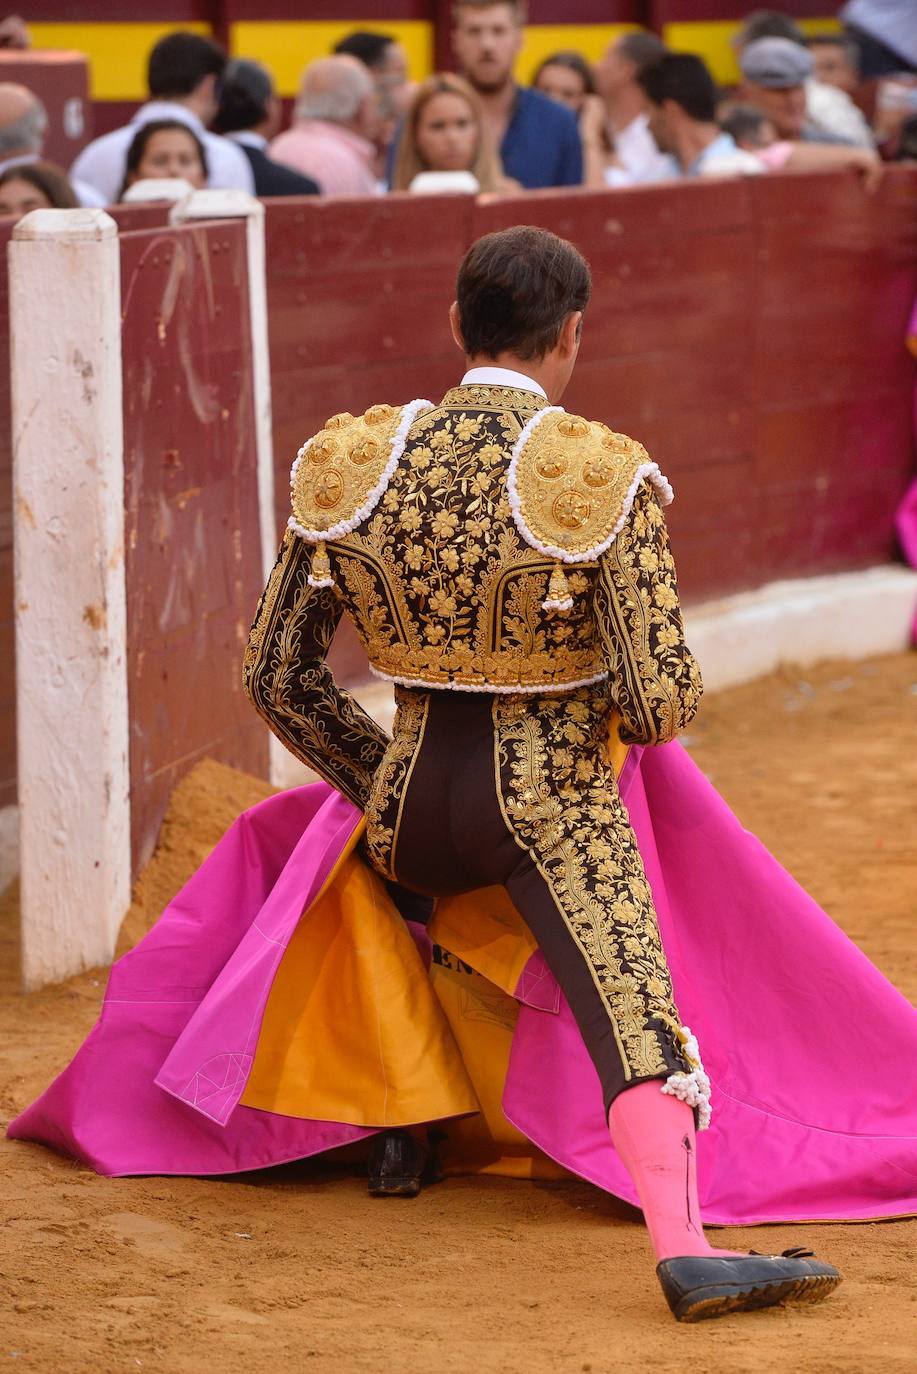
{"x": 748, "y": 331}
{"x": 191, "y": 524}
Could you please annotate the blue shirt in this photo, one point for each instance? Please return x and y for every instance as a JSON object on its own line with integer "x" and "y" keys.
{"x": 541, "y": 146}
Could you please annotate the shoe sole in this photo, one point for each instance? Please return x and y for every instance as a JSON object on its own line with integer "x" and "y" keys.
{"x": 408, "y": 1187}
{"x": 720, "y": 1299}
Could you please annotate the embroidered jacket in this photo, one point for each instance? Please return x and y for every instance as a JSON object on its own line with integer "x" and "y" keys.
{"x": 491, "y": 543}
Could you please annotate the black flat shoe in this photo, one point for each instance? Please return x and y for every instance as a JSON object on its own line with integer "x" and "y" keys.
{"x": 396, "y": 1165}
{"x": 698, "y": 1286}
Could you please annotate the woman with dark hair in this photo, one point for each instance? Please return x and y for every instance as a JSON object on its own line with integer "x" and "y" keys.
{"x": 165, "y": 149}
{"x": 567, "y": 78}
{"x": 35, "y": 186}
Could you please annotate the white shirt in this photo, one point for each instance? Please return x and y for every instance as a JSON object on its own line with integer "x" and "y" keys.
{"x": 87, "y": 195}
{"x": 833, "y": 112}
{"x": 102, "y": 162}
{"x": 637, "y": 151}
{"x": 502, "y": 376}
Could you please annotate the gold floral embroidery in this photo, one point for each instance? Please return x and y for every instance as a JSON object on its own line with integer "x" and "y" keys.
{"x": 560, "y": 801}
{"x": 656, "y": 681}
{"x": 390, "y": 785}
{"x": 286, "y": 678}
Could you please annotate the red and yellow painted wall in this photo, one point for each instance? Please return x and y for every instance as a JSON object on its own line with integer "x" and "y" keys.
{"x": 287, "y": 34}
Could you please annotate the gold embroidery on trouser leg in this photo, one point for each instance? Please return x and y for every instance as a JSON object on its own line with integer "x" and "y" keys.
{"x": 560, "y": 801}
{"x": 390, "y": 785}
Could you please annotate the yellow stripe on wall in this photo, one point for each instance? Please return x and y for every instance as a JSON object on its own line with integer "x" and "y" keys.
{"x": 117, "y": 53}
{"x": 712, "y": 40}
{"x": 286, "y": 48}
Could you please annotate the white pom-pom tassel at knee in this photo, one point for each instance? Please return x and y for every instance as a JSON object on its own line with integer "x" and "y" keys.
{"x": 693, "y": 1087}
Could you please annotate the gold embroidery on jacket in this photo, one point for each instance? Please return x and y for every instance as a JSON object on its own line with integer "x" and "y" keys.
{"x": 390, "y": 785}
{"x": 657, "y": 682}
{"x": 288, "y": 682}
{"x": 560, "y": 801}
{"x": 341, "y": 465}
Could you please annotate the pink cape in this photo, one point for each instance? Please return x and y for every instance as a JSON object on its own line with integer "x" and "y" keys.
{"x": 810, "y": 1049}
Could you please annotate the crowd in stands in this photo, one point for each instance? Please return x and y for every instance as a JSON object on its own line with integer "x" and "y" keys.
{"x": 643, "y": 113}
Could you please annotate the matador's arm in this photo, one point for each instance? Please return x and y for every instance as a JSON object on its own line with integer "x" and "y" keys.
{"x": 288, "y": 682}
{"x": 656, "y": 683}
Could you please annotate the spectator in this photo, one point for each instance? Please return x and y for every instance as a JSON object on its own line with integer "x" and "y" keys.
{"x": 444, "y": 131}
{"x": 249, "y": 115}
{"x": 35, "y": 186}
{"x": 14, "y": 34}
{"x": 165, "y": 149}
{"x": 885, "y": 31}
{"x": 333, "y": 128}
{"x": 183, "y": 74}
{"x": 837, "y": 61}
{"x": 755, "y": 133}
{"x": 907, "y": 142}
{"x": 567, "y": 78}
{"x": 618, "y": 80}
{"x": 682, "y": 98}
{"x": 385, "y": 60}
{"x": 538, "y": 140}
{"x": 23, "y": 124}
{"x": 830, "y": 113}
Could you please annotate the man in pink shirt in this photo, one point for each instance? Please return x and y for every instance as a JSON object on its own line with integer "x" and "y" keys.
{"x": 334, "y": 120}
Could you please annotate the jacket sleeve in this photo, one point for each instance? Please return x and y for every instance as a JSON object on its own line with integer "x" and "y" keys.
{"x": 288, "y": 682}
{"x": 656, "y": 683}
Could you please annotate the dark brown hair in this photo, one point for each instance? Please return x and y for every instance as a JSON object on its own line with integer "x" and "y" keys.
{"x": 141, "y": 139}
{"x": 574, "y": 62}
{"x": 47, "y": 178}
{"x": 516, "y": 288}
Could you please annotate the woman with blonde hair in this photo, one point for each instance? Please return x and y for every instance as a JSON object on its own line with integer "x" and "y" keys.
{"x": 444, "y": 132}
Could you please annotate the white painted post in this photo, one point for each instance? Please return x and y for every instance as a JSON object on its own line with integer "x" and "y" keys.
{"x": 285, "y": 770}
{"x": 71, "y": 670}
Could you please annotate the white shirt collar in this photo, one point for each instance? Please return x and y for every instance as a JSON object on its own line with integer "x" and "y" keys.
{"x": 248, "y": 138}
{"x": 502, "y": 376}
{"x": 168, "y": 109}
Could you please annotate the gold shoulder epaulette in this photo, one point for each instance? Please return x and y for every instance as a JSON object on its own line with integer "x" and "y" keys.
{"x": 340, "y": 475}
{"x": 572, "y": 483}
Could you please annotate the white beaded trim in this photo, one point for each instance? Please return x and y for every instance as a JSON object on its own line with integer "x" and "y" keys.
{"x": 409, "y": 414}
{"x": 693, "y": 1087}
{"x": 650, "y": 470}
{"x": 320, "y": 582}
{"x": 526, "y": 690}
{"x": 553, "y": 605}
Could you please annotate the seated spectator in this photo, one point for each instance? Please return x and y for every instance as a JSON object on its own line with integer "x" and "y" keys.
{"x": 885, "y": 32}
{"x": 35, "y": 186}
{"x": 567, "y": 78}
{"x": 755, "y": 133}
{"x": 830, "y": 113}
{"x": 837, "y": 61}
{"x": 385, "y": 60}
{"x": 682, "y": 103}
{"x": 249, "y": 115}
{"x": 13, "y": 34}
{"x": 23, "y": 125}
{"x": 183, "y": 75}
{"x": 637, "y": 157}
{"x": 444, "y": 131}
{"x": 907, "y": 141}
{"x": 331, "y": 139}
{"x": 537, "y": 139}
{"x": 165, "y": 149}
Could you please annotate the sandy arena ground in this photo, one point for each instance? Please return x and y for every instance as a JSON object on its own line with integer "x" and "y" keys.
{"x": 286, "y": 1270}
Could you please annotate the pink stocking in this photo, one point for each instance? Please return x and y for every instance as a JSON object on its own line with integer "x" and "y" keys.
{"x": 654, "y": 1137}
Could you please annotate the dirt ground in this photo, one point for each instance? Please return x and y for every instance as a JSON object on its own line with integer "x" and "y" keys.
{"x": 291, "y": 1270}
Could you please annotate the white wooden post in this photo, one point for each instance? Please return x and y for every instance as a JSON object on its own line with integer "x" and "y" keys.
{"x": 285, "y": 770}
{"x": 71, "y": 670}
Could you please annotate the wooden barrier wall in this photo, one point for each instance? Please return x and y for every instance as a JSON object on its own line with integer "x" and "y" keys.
{"x": 7, "y": 627}
{"x": 191, "y": 509}
{"x": 749, "y": 331}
